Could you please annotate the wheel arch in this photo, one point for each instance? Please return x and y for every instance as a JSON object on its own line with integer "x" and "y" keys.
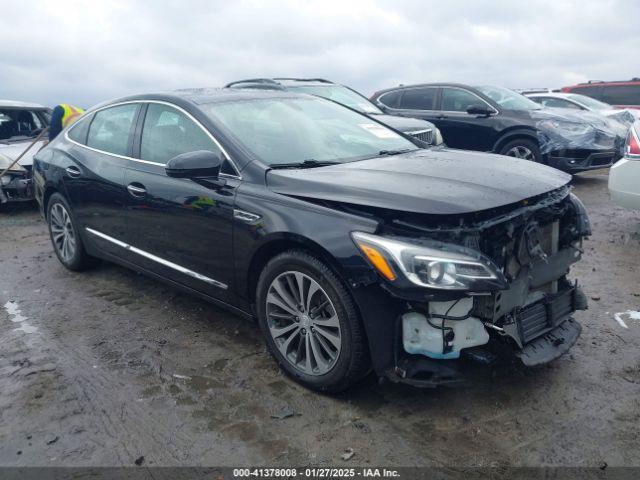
{"x": 513, "y": 134}
{"x": 279, "y": 243}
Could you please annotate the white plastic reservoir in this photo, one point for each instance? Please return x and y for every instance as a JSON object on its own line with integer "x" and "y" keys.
{"x": 421, "y": 338}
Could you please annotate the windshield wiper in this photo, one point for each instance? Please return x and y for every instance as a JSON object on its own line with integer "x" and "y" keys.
{"x": 396, "y": 152}
{"x": 305, "y": 164}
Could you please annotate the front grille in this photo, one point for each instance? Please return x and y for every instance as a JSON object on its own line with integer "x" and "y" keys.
{"x": 545, "y": 315}
{"x": 422, "y": 135}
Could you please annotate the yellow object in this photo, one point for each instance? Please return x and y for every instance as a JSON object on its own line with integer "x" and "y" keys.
{"x": 71, "y": 114}
{"x": 378, "y": 261}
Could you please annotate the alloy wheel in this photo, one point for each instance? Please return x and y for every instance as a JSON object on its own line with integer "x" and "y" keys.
{"x": 303, "y": 323}
{"x": 521, "y": 152}
{"x": 62, "y": 233}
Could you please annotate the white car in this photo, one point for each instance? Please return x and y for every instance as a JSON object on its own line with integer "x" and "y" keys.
{"x": 576, "y": 101}
{"x": 624, "y": 176}
{"x": 20, "y": 124}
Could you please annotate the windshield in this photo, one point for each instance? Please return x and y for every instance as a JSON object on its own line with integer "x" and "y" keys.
{"x": 18, "y": 123}
{"x": 508, "y": 98}
{"x": 295, "y": 130}
{"x": 589, "y": 102}
{"x": 342, "y": 95}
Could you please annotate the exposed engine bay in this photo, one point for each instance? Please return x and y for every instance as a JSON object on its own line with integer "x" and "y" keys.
{"x": 527, "y": 306}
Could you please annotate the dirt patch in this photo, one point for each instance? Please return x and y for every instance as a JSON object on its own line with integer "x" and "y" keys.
{"x": 121, "y": 367}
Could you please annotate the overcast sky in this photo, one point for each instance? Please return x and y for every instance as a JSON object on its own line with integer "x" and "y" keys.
{"x": 84, "y": 52}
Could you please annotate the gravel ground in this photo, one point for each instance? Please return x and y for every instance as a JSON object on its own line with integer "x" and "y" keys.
{"x": 109, "y": 367}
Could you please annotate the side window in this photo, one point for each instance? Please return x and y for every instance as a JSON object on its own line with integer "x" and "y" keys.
{"x": 621, "y": 94}
{"x": 419, "y": 98}
{"x": 457, "y": 100}
{"x": 167, "y": 132}
{"x": 391, "y": 99}
{"x": 78, "y": 132}
{"x": 110, "y": 129}
{"x": 559, "y": 103}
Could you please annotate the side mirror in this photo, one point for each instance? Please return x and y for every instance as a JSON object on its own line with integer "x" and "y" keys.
{"x": 198, "y": 164}
{"x": 480, "y": 110}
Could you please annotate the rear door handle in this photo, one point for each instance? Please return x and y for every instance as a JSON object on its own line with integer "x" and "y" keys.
{"x": 441, "y": 116}
{"x": 136, "y": 190}
{"x": 73, "y": 172}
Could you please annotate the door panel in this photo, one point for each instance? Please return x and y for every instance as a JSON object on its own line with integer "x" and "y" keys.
{"x": 460, "y": 129}
{"x": 94, "y": 177}
{"x": 182, "y": 229}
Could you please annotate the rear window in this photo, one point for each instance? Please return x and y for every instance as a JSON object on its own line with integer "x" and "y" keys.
{"x": 621, "y": 94}
{"x": 111, "y": 128}
{"x": 391, "y": 99}
{"x": 419, "y": 98}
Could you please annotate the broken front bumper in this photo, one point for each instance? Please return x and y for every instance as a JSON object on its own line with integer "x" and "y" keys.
{"x": 574, "y": 161}
{"x": 16, "y": 186}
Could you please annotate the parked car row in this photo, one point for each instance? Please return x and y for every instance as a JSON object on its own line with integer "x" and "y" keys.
{"x": 496, "y": 119}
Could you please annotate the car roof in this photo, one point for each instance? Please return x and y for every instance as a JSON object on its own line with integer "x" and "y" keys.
{"x": 432, "y": 84}
{"x": 17, "y": 104}
{"x": 276, "y": 83}
{"x": 551, "y": 94}
{"x": 202, "y": 96}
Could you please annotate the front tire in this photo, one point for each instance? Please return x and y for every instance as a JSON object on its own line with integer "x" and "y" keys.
{"x": 310, "y": 323}
{"x": 64, "y": 235}
{"x": 523, "y": 149}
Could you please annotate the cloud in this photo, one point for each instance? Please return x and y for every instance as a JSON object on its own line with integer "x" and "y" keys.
{"x": 85, "y": 52}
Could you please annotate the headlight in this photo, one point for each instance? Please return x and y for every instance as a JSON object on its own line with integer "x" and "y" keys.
{"x": 438, "y": 137}
{"x": 5, "y": 180}
{"x": 559, "y": 126}
{"x": 432, "y": 264}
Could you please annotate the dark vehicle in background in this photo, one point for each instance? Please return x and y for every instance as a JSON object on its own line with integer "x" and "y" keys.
{"x": 621, "y": 94}
{"x": 420, "y": 129}
{"x": 351, "y": 245}
{"x": 20, "y": 124}
{"x": 496, "y": 119}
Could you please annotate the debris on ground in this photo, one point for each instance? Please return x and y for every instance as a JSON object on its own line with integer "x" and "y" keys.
{"x": 595, "y": 297}
{"x": 53, "y": 440}
{"x": 285, "y": 412}
{"x": 140, "y": 460}
{"x": 348, "y": 454}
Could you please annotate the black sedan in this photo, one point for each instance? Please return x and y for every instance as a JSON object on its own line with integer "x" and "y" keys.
{"x": 496, "y": 119}
{"x": 351, "y": 246}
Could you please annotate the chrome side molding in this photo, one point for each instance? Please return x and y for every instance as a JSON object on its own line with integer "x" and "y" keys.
{"x": 157, "y": 259}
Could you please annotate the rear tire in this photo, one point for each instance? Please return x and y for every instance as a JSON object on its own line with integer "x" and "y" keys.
{"x": 523, "y": 149}
{"x": 64, "y": 235}
{"x": 310, "y": 323}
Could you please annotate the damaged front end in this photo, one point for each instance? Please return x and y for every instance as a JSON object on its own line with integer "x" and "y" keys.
{"x": 16, "y": 184}
{"x": 478, "y": 281}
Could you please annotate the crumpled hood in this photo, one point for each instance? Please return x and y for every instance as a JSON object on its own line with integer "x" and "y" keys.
{"x": 8, "y": 153}
{"x": 432, "y": 181}
{"x": 403, "y": 124}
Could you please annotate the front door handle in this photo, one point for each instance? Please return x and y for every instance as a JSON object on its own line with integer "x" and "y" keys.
{"x": 73, "y": 172}
{"x": 441, "y": 117}
{"x": 136, "y": 190}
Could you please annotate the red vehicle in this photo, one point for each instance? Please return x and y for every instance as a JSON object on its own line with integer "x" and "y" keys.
{"x": 622, "y": 94}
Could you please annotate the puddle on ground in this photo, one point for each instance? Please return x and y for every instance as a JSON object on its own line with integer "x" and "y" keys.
{"x": 15, "y": 315}
{"x": 623, "y": 317}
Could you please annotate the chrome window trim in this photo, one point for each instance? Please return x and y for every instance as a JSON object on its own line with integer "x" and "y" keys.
{"x": 157, "y": 259}
{"x": 404, "y": 89}
{"x": 139, "y": 160}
